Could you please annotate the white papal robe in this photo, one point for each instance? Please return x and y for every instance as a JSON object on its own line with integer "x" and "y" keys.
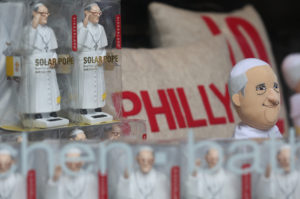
{"x": 279, "y": 186}
{"x": 243, "y": 131}
{"x": 39, "y": 92}
{"x": 80, "y": 187}
{"x": 153, "y": 185}
{"x": 13, "y": 187}
{"x": 217, "y": 185}
{"x": 88, "y": 85}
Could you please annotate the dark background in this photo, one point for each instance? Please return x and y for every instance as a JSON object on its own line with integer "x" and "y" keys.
{"x": 281, "y": 19}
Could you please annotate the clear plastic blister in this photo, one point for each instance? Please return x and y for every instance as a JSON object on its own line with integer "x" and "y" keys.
{"x": 279, "y": 177}
{"x": 204, "y": 171}
{"x": 62, "y": 63}
{"x": 124, "y": 130}
{"x": 143, "y": 170}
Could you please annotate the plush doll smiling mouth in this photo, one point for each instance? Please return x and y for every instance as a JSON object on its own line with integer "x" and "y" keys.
{"x": 271, "y": 105}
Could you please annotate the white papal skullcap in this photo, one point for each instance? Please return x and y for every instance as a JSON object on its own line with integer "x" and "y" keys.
{"x": 91, "y": 4}
{"x": 146, "y": 148}
{"x": 238, "y": 77}
{"x": 76, "y": 132}
{"x": 37, "y": 5}
{"x": 74, "y": 150}
{"x": 285, "y": 146}
{"x": 246, "y": 64}
{"x": 291, "y": 69}
{"x": 7, "y": 152}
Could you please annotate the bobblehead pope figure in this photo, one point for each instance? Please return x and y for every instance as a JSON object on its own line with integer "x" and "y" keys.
{"x": 12, "y": 186}
{"x": 88, "y": 77}
{"x": 146, "y": 182}
{"x": 286, "y": 185}
{"x": 254, "y": 92}
{"x": 217, "y": 185}
{"x": 63, "y": 186}
{"x": 40, "y": 97}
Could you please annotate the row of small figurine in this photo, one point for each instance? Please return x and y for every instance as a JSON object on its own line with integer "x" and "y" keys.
{"x": 38, "y": 95}
{"x": 148, "y": 171}
{"x": 111, "y": 131}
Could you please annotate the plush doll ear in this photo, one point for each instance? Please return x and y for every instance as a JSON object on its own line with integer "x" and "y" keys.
{"x": 236, "y": 99}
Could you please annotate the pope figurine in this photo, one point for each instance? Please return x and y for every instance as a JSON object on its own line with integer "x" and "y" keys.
{"x": 217, "y": 185}
{"x": 63, "y": 186}
{"x": 146, "y": 182}
{"x": 77, "y": 135}
{"x": 88, "y": 73}
{"x": 285, "y": 185}
{"x": 254, "y": 92}
{"x": 40, "y": 96}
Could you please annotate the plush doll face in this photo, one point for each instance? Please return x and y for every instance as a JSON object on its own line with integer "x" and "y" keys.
{"x": 145, "y": 160}
{"x": 259, "y": 106}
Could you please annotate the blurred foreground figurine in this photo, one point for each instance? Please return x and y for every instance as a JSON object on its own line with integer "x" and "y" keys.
{"x": 216, "y": 185}
{"x": 280, "y": 186}
{"x": 146, "y": 183}
{"x": 13, "y": 185}
{"x": 82, "y": 186}
{"x": 78, "y": 135}
{"x": 291, "y": 73}
{"x": 254, "y": 91}
{"x": 115, "y": 132}
{"x": 88, "y": 73}
{"x": 40, "y": 97}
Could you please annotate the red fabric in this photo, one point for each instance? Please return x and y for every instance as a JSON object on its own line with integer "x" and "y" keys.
{"x": 175, "y": 182}
{"x": 74, "y": 32}
{"x": 176, "y": 107}
{"x": 31, "y": 184}
{"x": 164, "y": 109}
{"x": 211, "y": 118}
{"x": 118, "y": 32}
{"x": 102, "y": 186}
{"x": 225, "y": 99}
{"x": 136, "y": 103}
{"x": 236, "y": 24}
{"x": 188, "y": 114}
{"x": 246, "y": 184}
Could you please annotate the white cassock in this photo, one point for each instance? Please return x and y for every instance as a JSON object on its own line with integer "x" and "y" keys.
{"x": 154, "y": 185}
{"x": 88, "y": 78}
{"x": 243, "y": 131}
{"x": 13, "y": 187}
{"x": 279, "y": 186}
{"x": 217, "y": 185}
{"x": 80, "y": 187}
{"x": 39, "y": 88}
